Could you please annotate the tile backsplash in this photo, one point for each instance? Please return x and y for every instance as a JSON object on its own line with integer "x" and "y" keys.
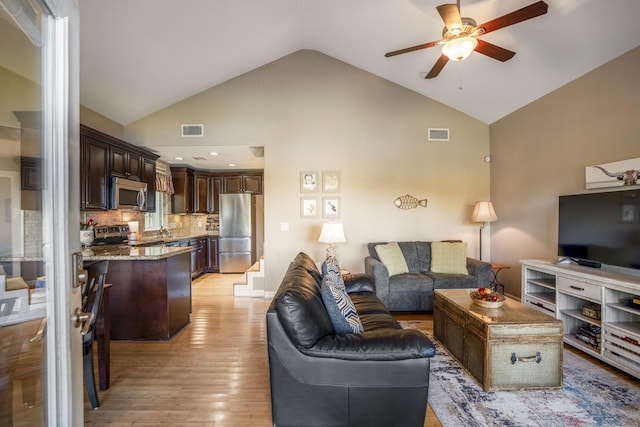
{"x": 32, "y": 232}
{"x": 180, "y": 224}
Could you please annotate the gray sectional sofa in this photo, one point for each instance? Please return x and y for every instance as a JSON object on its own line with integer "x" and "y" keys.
{"x": 413, "y": 291}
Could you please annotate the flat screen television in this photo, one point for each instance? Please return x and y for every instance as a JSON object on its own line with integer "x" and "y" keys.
{"x": 601, "y": 227}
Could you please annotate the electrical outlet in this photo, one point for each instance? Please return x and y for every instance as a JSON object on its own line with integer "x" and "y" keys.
{"x": 284, "y": 226}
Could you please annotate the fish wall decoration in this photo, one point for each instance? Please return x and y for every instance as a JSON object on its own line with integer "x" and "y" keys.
{"x": 409, "y": 202}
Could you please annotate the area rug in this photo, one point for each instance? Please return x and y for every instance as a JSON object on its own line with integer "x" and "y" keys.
{"x": 590, "y": 396}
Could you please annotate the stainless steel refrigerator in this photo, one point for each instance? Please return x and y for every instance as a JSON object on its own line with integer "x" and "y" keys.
{"x": 235, "y": 233}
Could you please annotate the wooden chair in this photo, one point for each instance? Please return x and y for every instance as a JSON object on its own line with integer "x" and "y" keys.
{"x": 92, "y": 293}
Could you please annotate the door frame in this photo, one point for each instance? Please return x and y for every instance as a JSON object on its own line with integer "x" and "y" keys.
{"x": 60, "y": 133}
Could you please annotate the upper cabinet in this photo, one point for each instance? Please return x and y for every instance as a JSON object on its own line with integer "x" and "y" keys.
{"x": 126, "y": 164}
{"x": 182, "y": 200}
{"x": 213, "y": 198}
{"x": 94, "y": 173}
{"x": 199, "y": 191}
{"x": 103, "y": 156}
{"x": 149, "y": 176}
{"x": 246, "y": 182}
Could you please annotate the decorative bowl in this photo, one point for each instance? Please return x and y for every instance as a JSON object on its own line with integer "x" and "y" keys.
{"x": 476, "y": 298}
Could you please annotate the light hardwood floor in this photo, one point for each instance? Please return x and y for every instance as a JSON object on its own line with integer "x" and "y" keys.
{"x": 213, "y": 373}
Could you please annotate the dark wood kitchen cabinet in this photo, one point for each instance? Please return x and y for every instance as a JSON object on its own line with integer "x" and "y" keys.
{"x": 213, "y": 199}
{"x": 201, "y": 193}
{"x": 212, "y": 253}
{"x": 30, "y": 159}
{"x": 198, "y": 255}
{"x": 242, "y": 183}
{"x": 30, "y": 174}
{"x": 149, "y": 176}
{"x": 198, "y": 191}
{"x": 94, "y": 172}
{"x": 126, "y": 164}
{"x": 183, "y": 185}
{"x": 103, "y": 156}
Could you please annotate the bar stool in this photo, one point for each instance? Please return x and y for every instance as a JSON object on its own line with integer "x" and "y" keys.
{"x": 92, "y": 293}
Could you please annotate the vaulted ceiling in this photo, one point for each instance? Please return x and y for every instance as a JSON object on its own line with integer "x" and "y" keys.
{"x": 142, "y": 55}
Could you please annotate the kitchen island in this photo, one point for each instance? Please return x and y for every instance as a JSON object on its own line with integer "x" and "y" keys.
{"x": 151, "y": 294}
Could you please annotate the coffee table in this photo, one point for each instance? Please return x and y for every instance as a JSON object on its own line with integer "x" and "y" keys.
{"x": 508, "y": 348}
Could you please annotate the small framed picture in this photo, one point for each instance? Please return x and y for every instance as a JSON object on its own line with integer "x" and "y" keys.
{"x": 308, "y": 207}
{"x": 331, "y": 207}
{"x": 331, "y": 181}
{"x": 628, "y": 213}
{"x": 309, "y": 182}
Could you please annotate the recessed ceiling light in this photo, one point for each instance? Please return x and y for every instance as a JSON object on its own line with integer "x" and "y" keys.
{"x": 231, "y": 164}
{"x": 213, "y": 153}
{"x": 178, "y": 158}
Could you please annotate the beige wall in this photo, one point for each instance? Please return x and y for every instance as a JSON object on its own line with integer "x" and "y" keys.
{"x": 541, "y": 151}
{"x": 99, "y": 122}
{"x": 312, "y": 112}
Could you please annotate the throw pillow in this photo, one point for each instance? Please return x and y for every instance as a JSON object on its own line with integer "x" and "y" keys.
{"x": 449, "y": 257}
{"x": 391, "y": 256}
{"x": 330, "y": 265}
{"x": 342, "y": 312}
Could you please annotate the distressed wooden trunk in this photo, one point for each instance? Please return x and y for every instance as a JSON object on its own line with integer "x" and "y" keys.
{"x": 508, "y": 348}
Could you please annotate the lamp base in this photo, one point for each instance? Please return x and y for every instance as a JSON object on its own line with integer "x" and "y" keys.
{"x": 331, "y": 255}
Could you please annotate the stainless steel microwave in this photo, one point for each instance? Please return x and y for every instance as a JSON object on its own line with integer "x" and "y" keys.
{"x": 128, "y": 195}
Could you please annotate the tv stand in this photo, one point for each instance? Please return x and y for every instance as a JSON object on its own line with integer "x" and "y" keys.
{"x": 572, "y": 293}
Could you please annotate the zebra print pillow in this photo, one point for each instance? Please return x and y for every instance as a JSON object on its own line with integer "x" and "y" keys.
{"x": 339, "y": 306}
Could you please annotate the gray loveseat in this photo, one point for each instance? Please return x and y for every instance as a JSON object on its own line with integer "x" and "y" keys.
{"x": 413, "y": 291}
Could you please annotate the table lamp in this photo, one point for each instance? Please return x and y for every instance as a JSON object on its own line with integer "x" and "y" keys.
{"x": 483, "y": 212}
{"x": 332, "y": 232}
{"x": 133, "y": 231}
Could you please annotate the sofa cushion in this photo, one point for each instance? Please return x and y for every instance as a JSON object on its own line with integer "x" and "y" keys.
{"x": 453, "y": 281}
{"x": 449, "y": 257}
{"x": 304, "y": 261}
{"x": 342, "y": 312}
{"x": 392, "y": 257}
{"x": 410, "y": 282}
{"x": 424, "y": 256}
{"x": 410, "y": 253}
{"x": 299, "y": 305}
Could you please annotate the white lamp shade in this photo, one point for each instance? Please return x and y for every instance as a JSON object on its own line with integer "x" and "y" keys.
{"x": 133, "y": 226}
{"x": 332, "y": 232}
{"x": 460, "y": 48}
{"x": 484, "y": 212}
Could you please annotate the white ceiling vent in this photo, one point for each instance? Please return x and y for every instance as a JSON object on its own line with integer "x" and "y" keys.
{"x": 438, "y": 134}
{"x": 192, "y": 130}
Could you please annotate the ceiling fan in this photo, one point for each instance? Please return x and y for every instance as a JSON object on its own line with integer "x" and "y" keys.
{"x": 460, "y": 35}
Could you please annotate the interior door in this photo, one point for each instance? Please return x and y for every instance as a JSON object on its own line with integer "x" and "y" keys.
{"x": 40, "y": 349}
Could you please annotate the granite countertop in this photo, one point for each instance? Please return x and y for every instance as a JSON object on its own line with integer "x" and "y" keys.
{"x": 154, "y": 249}
{"x": 131, "y": 253}
{"x": 150, "y": 240}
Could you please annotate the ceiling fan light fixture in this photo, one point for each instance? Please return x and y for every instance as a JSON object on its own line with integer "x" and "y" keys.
{"x": 459, "y": 48}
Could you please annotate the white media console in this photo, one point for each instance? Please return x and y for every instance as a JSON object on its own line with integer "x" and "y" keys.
{"x": 562, "y": 290}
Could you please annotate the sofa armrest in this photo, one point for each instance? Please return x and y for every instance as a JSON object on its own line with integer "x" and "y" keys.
{"x": 376, "y": 345}
{"x": 481, "y": 270}
{"x": 358, "y": 283}
{"x": 379, "y": 275}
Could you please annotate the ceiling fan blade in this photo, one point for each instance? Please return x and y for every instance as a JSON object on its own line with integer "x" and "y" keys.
{"x": 411, "y": 49}
{"x": 450, "y": 15}
{"x": 493, "y": 51}
{"x": 527, "y": 12}
{"x": 437, "y": 67}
